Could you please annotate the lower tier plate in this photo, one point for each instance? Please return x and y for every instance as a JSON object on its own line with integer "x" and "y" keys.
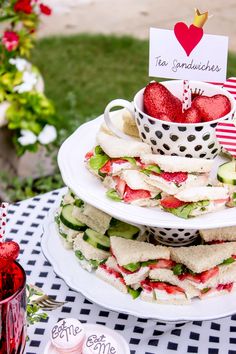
{"x": 94, "y": 289}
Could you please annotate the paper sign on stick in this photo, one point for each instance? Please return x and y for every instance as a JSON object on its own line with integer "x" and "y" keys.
{"x": 206, "y": 62}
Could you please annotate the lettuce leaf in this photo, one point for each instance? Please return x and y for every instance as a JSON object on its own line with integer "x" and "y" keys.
{"x": 99, "y": 159}
{"x": 112, "y": 194}
{"x": 151, "y": 168}
{"x": 186, "y": 210}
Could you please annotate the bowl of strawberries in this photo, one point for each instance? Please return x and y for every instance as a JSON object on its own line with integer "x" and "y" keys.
{"x": 171, "y": 130}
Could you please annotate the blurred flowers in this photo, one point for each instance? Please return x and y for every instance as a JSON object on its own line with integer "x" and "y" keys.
{"x": 23, "y": 6}
{"x": 45, "y": 9}
{"x": 10, "y": 40}
{"x": 24, "y": 109}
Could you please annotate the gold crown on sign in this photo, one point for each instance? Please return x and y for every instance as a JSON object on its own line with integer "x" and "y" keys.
{"x": 200, "y": 19}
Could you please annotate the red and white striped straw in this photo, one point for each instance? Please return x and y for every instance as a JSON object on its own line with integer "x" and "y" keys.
{"x": 3, "y": 220}
{"x": 186, "y": 100}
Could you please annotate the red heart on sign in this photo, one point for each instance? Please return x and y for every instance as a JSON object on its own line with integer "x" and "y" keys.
{"x": 226, "y": 135}
{"x": 188, "y": 37}
{"x": 9, "y": 251}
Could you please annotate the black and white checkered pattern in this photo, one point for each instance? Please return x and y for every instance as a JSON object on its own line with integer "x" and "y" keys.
{"x": 143, "y": 336}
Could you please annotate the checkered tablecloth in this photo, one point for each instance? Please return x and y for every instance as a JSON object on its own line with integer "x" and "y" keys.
{"x": 144, "y": 336}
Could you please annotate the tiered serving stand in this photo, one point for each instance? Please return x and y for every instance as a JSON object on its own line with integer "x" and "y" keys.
{"x": 163, "y": 227}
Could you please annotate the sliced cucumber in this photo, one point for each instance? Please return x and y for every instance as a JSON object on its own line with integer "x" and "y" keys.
{"x": 97, "y": 240}
{"x": 68, "y": 220}
{"x": 122, "y": 229}
{"x": 227, "y": 173}
{"x": 132, "y": 267}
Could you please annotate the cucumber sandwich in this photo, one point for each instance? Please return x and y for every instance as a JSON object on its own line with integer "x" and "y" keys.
{"x": 227, "y": 175}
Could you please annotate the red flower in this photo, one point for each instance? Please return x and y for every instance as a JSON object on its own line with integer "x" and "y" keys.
{"x": 23, "y": 6}
{"x": 45, "y": 9}
{"x": 10, "y": 40}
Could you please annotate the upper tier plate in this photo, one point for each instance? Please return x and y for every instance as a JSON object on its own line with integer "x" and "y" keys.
{"x": 90, "y": 189}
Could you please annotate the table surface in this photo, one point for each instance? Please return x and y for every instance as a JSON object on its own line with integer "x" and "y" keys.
{"x": 144, "y": 336}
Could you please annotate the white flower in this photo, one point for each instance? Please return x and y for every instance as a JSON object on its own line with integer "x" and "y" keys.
{"x": 27, "y": 137}
{"x": 21, "y": 64}
{"x": 3, "y": 108}
{"x": 29, "y": 81}
{"x": 47, "y": 135}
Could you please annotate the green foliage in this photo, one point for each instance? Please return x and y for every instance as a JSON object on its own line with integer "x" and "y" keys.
{"x": 33, "y": 311}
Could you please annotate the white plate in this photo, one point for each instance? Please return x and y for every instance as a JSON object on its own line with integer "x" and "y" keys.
{"x": 89, "y": 188}
{"x": 63, "y": 261}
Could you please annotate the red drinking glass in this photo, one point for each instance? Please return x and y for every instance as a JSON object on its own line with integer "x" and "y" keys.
{"x": 12, "y": 309}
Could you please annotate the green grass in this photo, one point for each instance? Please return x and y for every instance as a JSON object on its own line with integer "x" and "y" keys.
{"x": 84, "y": 72}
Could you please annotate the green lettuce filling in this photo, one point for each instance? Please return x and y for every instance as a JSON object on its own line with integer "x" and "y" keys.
{"x": 112, "y": 194}
{"x": 99, "y": 159}
{"x": 151, "y": 168}
{"x": 134, "y": 293}
{"x": 94, "y": 263}
{"x": 228, "y": 261}
{"x": 186, "y": 210}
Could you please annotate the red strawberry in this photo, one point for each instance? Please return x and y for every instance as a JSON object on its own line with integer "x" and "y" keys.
{"x": 211, "y": 108}
{"x": 228, "y": 287}
{"x": 191, "y": 115}
{"x": 89, "y": 155}
{"x": 119, "y": 161}
{"x": 106, "y": 168}
{"x": 171, "y": 202}
{"x": 120, "y": 186}
{"x": 130, "y": 194}
{"x": 176, "y": 177}
{"x": 160, "y": 103}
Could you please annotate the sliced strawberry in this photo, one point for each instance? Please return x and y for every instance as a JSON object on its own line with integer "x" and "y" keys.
{"x": 140, "y": 163}
{"x": 227, "y": 287}
{"x": 89, "y": 155}
{"x": 171, "y": 202}
{"x": 209, "y": 274}
{"x": 162, "y": 263}
{"x": 120, "y": 186}
{"x": 215, "y": 242}
{"x": 176, "y": 177}
{"x": 170, "y": 289}
{"x": 194, "y": 278}
{"x": 113, "y": 272}
{"x": 201, "y": 277}
{"x": 130, "y": 194}
{"x": 118, "y": 161}
{"x": 146, "y": 285}
{"x": 234, "y": 256}
{"x": 107, "y": 168}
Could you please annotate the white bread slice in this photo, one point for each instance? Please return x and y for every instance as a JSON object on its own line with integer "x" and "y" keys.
{"x": 196, "y": 194}
{"x": 171, "y": 188}
{"x": 88, "y": 251}
{"x": 111, "y": 279}
{"x": 94, "y": 218}
{"x": 147, "y": 296}
{"x": 136, "y": 277}
{"x": 202, "y": 257}
{"x": 117, "y": 120}
{"x": 102, "y": 219}
{"x": 219, "y": 234}
{"x": 166, "y": 275}
{"x": 129, "y": 124}
{"x": 112, "y": 263}
{"x": 117, "y": 147}
{"x": 135, "y": 180}
{"x": 178, "y": 163}
{"x": 130, "y": 251}
{"x": 170, "y": 299}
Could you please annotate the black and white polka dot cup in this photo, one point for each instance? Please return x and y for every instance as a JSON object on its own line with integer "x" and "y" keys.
{"x": 169, "y": 138}
{"x": 171, "y": 237}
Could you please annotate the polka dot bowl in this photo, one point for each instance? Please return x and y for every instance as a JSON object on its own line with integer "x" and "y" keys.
{"x": 189, "y": 140}
{"x": 171, "y": 237}
{"x": 170, "y": 138}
